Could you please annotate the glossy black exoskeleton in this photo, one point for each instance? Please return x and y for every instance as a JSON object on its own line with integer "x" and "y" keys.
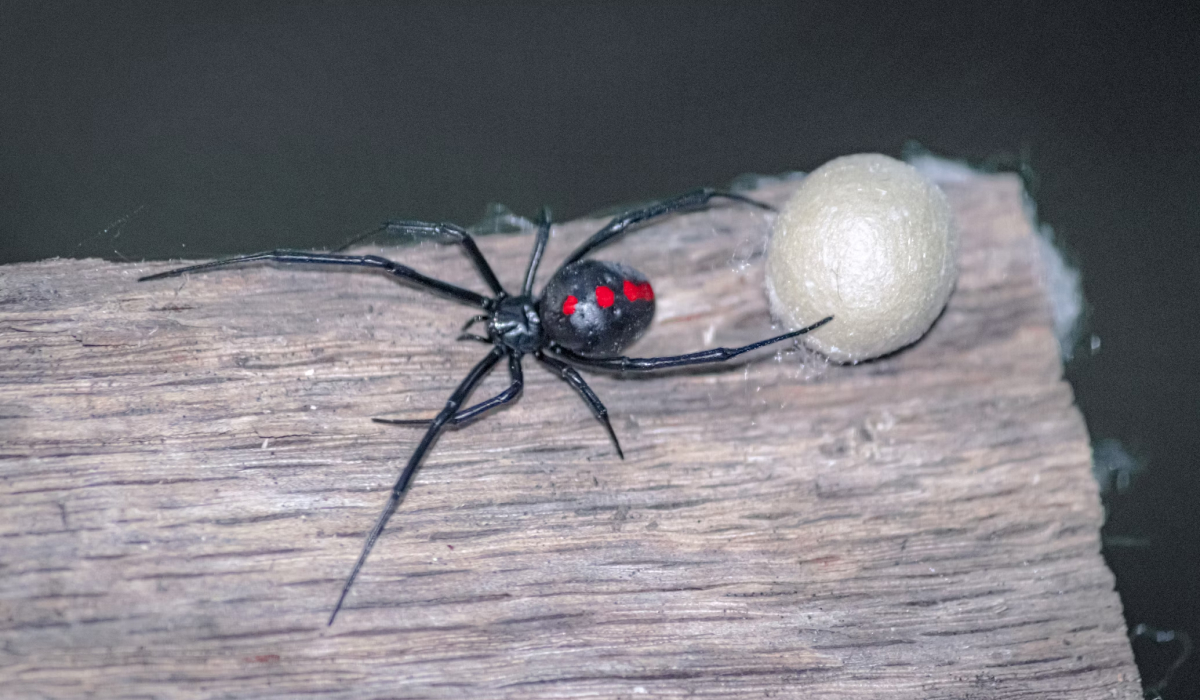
{"x": 587, "y": 313}
{"x": 596, "y": 308}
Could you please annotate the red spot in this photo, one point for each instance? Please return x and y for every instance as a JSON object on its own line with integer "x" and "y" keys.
{"x": 604, "y": 296}
{"x": 569, "y": 304}
{"x": 638, "y": 290}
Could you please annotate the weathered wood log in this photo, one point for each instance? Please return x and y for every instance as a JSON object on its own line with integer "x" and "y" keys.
{"x": 188, "y": 469}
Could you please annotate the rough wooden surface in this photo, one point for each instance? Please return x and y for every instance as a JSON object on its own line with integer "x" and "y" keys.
{"x": 188, "y": 469}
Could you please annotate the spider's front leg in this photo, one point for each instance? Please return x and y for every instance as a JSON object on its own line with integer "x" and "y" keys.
{"x": 464, "y": 335}
{"x": 400, "y": 489}
{"x": 374, "y": 262}
{"x": 442, "y": 233}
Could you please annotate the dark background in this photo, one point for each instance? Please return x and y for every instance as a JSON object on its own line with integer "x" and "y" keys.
{"x": 138, "y": 131}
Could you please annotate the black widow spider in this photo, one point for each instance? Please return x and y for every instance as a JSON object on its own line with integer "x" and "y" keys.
{"x": 586, "y": 313}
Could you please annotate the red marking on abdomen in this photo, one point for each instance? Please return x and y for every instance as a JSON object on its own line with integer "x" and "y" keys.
{"x": 604, "y": 296}
{"x": 638, "y": 290}
{"x": 569, "y": 304}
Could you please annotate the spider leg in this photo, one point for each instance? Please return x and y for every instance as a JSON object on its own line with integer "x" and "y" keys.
{"x": 475, "y": 337}
{"x": 473, "y": 320}
{"x": 642, "y": 364}
{"x": 539, "y": 247}
{"x": 695, "y": 199}
{"x": 572, "y": 377}
{"x": 464, "y": 335}
{"x": 442, "y": 233}
{"x": 404, "y": 272}
{"x": 468, "y": 414}
{"x": 399, "y": 490}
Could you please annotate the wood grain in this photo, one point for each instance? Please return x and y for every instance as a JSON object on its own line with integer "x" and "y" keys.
{"x": 187, "y": 471}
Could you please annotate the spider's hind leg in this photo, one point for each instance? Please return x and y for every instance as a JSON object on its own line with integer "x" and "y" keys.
{"x": 645, "y": 364}
{"x": 572, "y": 377}
{"x": 688, "y": 201}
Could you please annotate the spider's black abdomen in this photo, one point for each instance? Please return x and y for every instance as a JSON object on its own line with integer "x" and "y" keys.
{"x": 596, "y": 308}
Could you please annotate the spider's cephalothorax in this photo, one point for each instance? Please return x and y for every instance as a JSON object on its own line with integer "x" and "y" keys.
{"x": 587, "y": 313}
{"x": 516, "y": 325}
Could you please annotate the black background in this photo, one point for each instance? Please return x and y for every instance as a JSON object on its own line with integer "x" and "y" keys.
{"x": 139, "y": 131}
